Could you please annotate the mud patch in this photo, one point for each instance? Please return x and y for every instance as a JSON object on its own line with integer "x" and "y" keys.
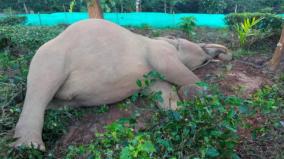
{"x": 84, "y": 130}
{"x": 236, "y": 78}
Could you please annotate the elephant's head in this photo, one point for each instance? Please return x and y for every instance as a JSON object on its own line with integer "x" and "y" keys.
{"x": 217, "y": 51}
{"x": 197, "y": 55}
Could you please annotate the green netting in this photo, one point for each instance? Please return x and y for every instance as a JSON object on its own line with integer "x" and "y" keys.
{"x": 156, "y": 20}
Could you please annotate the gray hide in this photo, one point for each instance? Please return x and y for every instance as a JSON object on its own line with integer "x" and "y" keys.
{"x": 95, "y": 62}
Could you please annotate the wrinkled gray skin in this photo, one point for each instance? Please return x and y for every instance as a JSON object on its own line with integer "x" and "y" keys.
{"x": 95, "y": 62}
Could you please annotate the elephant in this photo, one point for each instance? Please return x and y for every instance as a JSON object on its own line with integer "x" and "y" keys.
{"x": 95, "y": 62}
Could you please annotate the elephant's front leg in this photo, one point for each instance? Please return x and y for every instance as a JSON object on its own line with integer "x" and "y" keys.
{"x": 189, "y": 92}
{"x": 168, "y": 64}
{"x": 169, "y": 94}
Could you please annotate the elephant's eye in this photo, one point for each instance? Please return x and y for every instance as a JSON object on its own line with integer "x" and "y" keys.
{"x": 205, "y": 62}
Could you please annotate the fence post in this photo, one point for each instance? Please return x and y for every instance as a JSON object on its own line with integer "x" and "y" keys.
{"x": 40, "y": 23}
{"x": 65, "y": 15}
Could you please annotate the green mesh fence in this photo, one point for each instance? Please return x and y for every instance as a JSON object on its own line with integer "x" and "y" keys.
{"x": 156, "y": 20}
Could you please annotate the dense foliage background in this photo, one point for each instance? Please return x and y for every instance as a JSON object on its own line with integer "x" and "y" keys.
{"x": 169, "y": 6}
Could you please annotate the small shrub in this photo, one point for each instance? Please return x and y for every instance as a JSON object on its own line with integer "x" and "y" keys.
{"x": 145, "y": 26}
{"x": 12, "y": 20}
{"x": 23, "y": 39}
{"x": 187, "y": 25}
{"x": 245, "y": 30}
{"x": 270, "y": 21}
{"x": 119, "y": 141}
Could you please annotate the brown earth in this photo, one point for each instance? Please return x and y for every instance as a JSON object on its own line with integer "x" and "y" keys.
{"x": 240, "y": 77}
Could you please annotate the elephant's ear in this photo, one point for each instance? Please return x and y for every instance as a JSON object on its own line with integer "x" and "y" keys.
{"x": 172, "y": 40}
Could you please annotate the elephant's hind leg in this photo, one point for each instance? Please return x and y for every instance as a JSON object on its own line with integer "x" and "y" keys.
{"x": 46, "y": 75}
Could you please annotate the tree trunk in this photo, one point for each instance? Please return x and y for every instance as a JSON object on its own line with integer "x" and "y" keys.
{"x": 95, "y": 10}
{"x": 165, "y": 6}
{"x": 121, "y": 7}
{"x": 26, "y": 9}
{"x": 138, "y": 5}
{"x": 275, "y": 61}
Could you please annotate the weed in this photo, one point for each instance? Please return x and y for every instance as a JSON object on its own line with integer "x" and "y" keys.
{"x": 245, "y": 30}
{"x": 187, "y": 25}
{"x": 118, "y": 140}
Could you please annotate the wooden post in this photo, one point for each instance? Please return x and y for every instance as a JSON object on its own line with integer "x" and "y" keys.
{"x": 95, "y": 10}
{"x": 275, "y": 61}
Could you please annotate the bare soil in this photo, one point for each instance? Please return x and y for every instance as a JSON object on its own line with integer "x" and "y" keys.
{"x": 240, "y": 77}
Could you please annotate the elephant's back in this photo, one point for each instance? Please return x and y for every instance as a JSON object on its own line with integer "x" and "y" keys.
{"x": 94, "y": 31}
{"x": 104, "y": 61}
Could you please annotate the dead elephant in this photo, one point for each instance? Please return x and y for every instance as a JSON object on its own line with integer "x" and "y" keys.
{"x": 96, "y": 62}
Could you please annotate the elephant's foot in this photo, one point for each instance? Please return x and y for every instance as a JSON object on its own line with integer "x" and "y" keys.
{"x": 189, "y": 92}
{"x": 28, "y": 138}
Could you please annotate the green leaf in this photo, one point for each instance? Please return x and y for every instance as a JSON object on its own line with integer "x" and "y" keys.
{"x": 212, "y": 152}
{"x": 134, "y": 97}
{"x": 244, "y": 109}
{"x": 176, "y": 115}
{"x": 235, "y": 156}
{"x": 148, "y": 147}
{"x": 125, "y": 153}
{"x": 216, "y": 133}
{"x": 139, "y": 83}
{"x": 229, "y": 126}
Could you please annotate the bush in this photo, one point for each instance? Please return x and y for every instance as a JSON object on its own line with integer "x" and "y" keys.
{"x": 270, "y": 21}
{"x": 187, "y": 25}
{"x": 119, "y": 141}
{"x": 23, "y": 39}
{"x": 246, "y": 30}
{"x": 12, "y": 20}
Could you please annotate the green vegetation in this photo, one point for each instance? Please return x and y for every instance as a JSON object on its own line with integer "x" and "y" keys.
{"x": 23, "y": 39}
{"x": 270, "y": 22}
{"x": 119, "y": 141}
{"x": 252, "y": 28}
{"x": 12, "y": 20}
{"x": 167, "y": 6}
{"x": 245, "y": 30}
{"x": 187, "y": 25}
{"x": 209, "y": 126}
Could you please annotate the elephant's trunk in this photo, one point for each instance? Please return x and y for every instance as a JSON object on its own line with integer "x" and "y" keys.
{"x": 217, "y": 51}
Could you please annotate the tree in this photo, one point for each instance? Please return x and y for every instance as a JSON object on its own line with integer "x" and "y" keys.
{"x": 94, "y": 9}
{"x": 278, "y": 54}
{"x": 138, "y": 5}
{"x": 212, "y": 6}
{"x": 122, "y": 6}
